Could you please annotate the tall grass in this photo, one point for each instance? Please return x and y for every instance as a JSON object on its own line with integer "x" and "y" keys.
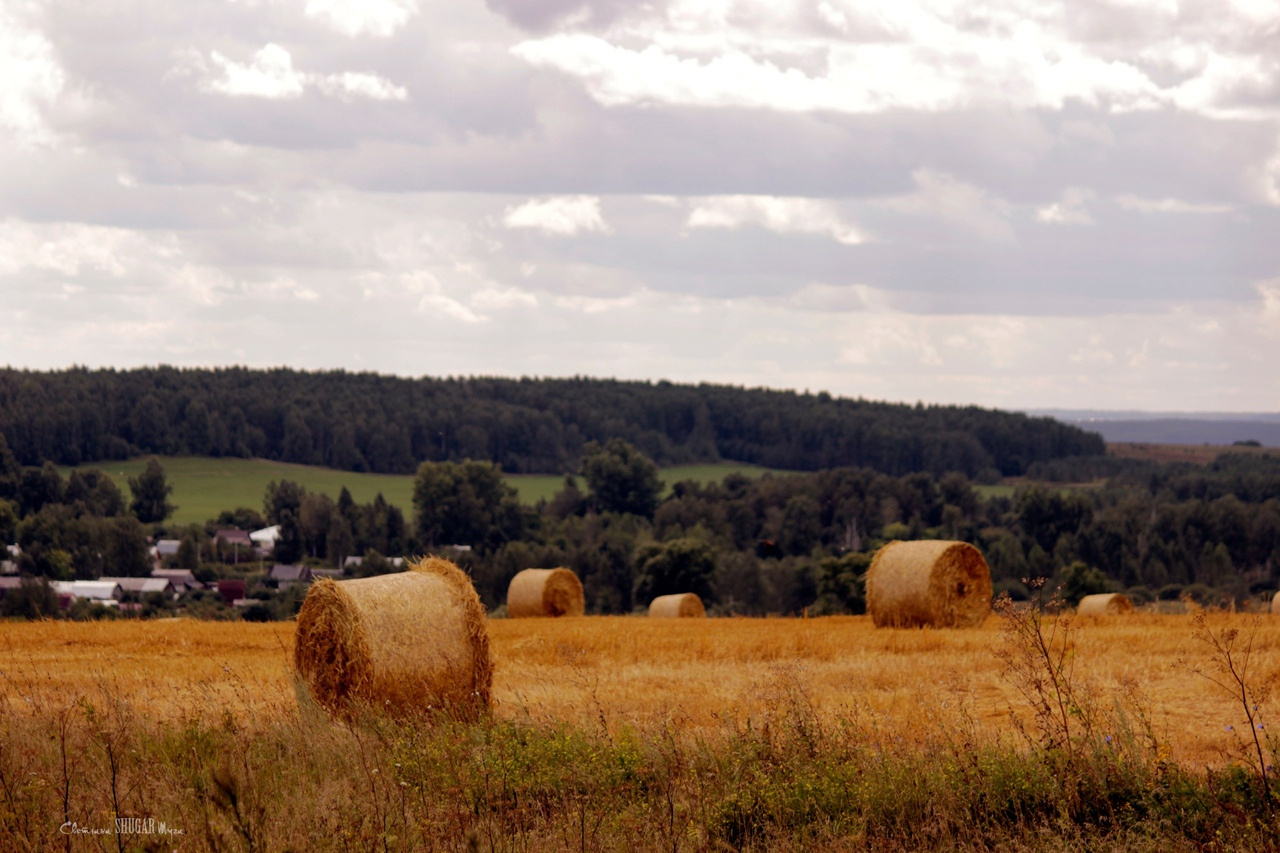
{"x": 786, "y": 780}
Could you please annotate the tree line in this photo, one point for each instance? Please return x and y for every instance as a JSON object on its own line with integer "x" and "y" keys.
{"x": 370, "y": 422}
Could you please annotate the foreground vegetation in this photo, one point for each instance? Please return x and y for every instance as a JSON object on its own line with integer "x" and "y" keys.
{"x": 574, "y": 757}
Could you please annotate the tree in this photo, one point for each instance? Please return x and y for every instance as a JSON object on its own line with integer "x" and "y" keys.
{"x": 621, "y": 478}
{"x": 466, "y": 503}
{"x": 1081, "y": 580}
{"x": 681, "y": 565}
{"x": 282, "y": 505}
{"x": 33, "y": 599}
{"x": 151, "y": 494}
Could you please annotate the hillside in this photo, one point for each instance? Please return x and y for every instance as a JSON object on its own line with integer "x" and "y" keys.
{"x": 204, "y": 487}
{"x": 384, "y": 424}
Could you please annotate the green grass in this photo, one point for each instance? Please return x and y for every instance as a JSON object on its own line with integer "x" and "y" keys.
{"x": 204, "y": 487}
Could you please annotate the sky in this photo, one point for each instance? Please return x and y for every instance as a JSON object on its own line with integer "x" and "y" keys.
{"x": 1010, "y": 203}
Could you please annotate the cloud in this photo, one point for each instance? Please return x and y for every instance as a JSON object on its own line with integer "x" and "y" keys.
{"x": 783, "y": 215}
{"x": 362, "y": 17}
{"x": 1069, "y": 211}
{"x": 72, "y": 249}
{"x": 503, "y": 298}
{"x": 563, "y": 215}
{"x": 962, "y": 205}
{"x": 437, "y": 304}
{"x": 1169, "y": 205}
{"x": 349, "y": 84}
{"x": 31, "y": 79}
{"x": 271, "y": 75}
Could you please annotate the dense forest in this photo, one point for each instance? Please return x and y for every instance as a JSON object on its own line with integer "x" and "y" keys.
{"x": 775, "y": 544}
{"x": 368, "y": 422}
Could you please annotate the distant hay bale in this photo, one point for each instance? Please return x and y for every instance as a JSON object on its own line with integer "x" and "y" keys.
{"x": 929, "y": 582}
{"x": 1104, "y": 603}
{"x": 544, "y": 592}
{"x": 403, "y": 642}
{"x": 680, "y": 604}
{"x": 1275, "y": 603}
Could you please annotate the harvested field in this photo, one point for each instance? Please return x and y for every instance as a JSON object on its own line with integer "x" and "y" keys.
{"x": 630, "y": 670}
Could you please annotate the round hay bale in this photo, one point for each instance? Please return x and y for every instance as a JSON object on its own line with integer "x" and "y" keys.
{"x": 680, "y": 604}
{"x": 1275, "y": 603}
{"x": 403, "y": 642}
{"x": 1104, "y": 603}
{"x": 544, "y": 592}
{"x": 930, "y": 582}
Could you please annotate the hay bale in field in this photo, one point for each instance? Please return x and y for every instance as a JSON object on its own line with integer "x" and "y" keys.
{"x": 1103, "y": 603}
{"x": 1275, "y": 603}
{"x": 403, "y": 642}
{"x": 929, "y": 582}
{"x": 544, "y": 592}
{"x": 680, "y": 604}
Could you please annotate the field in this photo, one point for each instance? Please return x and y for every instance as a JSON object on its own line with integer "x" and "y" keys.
{"x": 632, "y": 670}
{"x": 204, "y": 487}
{"x": 621, "y": 732}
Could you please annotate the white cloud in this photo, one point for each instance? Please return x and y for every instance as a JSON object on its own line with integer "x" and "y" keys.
{"x": 597, "y": 304}
{"x": 836, "y": 298}
{"x": 441, "y": 305}
{"x": 1169, "y": 205}
{"x": 31, "y": 79}
{"x": 498, "y": 299}
{"x": 362, "y": 17}
{"x": 963, "y": 206}
{"x": 1069, "y": 211}
{"x": 270, "y": 74}
{"x": 71, "y": 249}
{"x": 930, "y": 56}
{"x": 785, "y": 215}
{"x": 564, "y": 215}
{"x": 350, "y": 83}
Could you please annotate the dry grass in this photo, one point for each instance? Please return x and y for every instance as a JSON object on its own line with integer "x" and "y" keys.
{"x": 619, "y": 670}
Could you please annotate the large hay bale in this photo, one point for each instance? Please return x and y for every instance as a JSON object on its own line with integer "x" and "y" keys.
{"x": 404, "y": 642}
{"x": 1103, "y": 603}
{"x": 1275, "y": 603}
{"x": 680, "y": 604}
{"x": 545, "y": 592}
{"x": 930, "y": 582}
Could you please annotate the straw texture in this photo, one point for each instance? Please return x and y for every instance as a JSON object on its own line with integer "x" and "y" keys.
{"x": 544, "y": 592}
{"x": 681, "y": 604}
{"x": 1107, "y": 602}
{"x": 406, "y": 642}
{"x": 928, "y": 583}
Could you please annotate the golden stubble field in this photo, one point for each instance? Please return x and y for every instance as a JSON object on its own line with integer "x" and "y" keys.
{"x": 697, "y": 675}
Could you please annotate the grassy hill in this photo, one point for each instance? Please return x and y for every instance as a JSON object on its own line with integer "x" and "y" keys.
{"x": 203, "y": 487}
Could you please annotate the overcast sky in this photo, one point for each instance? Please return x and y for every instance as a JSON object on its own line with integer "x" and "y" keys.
{"x": 1010, "y": 203}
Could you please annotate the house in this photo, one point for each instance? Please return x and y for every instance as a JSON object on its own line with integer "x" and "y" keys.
{"x": 9, "y": 582}
{"x": 265, "y": 539}
{"x": 286, "y": 576}
{"x": 231, "y": 589}
{"x": 236, "y": 541}
{"x": 102, "y": 592}
{"x": 167, "y": 547}
{"x": 143, "y": 586}
{"x": 182, "y": 579}
{"x": 332, "y": 574}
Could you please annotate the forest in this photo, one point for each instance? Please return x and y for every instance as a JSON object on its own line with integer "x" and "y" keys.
{"x": 386, "y": 424}
{"x": 783, "y": 544}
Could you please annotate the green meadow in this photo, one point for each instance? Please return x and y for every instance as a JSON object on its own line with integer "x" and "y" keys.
{"x": 204, "y": 487}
